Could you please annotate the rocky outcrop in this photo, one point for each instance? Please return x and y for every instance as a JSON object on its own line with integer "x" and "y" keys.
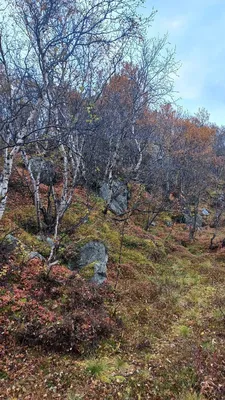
{"x": 45, "y": 168}
{"x": 188, "y": 219}
{"x": 119, "y": 199}
{"x": 92, "y": 260}
{"x": 49, "y": 241}
{"x": 7, "y": 245}
{"x": 11, "y": 242}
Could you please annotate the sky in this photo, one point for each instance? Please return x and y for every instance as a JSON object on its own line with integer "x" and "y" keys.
{"x": 197, "y": 29}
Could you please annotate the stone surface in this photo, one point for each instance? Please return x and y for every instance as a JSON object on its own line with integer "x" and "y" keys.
{"x": 199, "y": 221}
{"x": 120, "y": 196}
{"x": 10, "y": 243}
{"x": 189, "y": 220}
{"x": 205, "y": 212}
{"x": 50, "y": 242}
{"x": 168, "y": 223}
{"x": 45, "y": 168}
{"x": 94, "y": 254}
{"x": 35, "y": 254}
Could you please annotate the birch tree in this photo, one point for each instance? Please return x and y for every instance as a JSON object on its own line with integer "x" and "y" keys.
{"x": 17, "y": 117}
{"x": 142, "y": 84}
{"x": 53, "y": 42}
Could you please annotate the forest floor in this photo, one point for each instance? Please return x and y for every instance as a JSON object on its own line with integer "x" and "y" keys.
{"x": 155, "y": 330}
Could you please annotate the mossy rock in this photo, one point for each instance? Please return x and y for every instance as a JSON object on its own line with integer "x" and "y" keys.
{"x": 88, "y": 271}
{"x": 32, "y": 243}
{"x": 89, "y": 258}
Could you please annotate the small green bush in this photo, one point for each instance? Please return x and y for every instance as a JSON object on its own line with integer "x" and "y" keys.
{"x": 96, "y": 367}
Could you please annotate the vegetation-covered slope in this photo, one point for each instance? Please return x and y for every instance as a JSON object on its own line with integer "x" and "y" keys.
{"x": 154, "y": 330}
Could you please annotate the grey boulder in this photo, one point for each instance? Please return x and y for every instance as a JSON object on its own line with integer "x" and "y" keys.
{"x": 94, "y": 253}
{"x": 45, "y": 168}
{"x": 50, "y": 242}
{"x": 47, "y": 240}
{"x": 189, "y": 220}
{"x": 10, "y": 243}
{"x": 120, "y": 196}
{"x": 35, "y": 254}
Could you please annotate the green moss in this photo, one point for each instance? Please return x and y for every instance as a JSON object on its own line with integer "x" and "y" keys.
{"x": 31, "y": 243}
{"x": 98, "y": 201}
{"x": 96, "y": 230}
{"x": 183, "y": 331}
{"x": 201, "y": 295}
{"x": 71, "y": 217}
{"x": 111, "y": 236}
{"x": 26, "y": 218}
{"x": 102, "y": 232}
{"x": 165, "y": 217}
{"x": 144, "y": 249}
{"x": 189, "y": 280}
{"x": 133, "y": 242}
{"x": 88, "y": 271}
{"x": 207, "y": 264}
{"x": 135, "y": 257}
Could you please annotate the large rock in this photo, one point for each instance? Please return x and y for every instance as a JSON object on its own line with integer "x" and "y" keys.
{"x": 45, "y": 168}
{"x": 189, "y": 220}
{"x": 10, "y": 243}
{"x": 35, "y": 254}
{"x": 120, "y": 196}
{"x": 93, "y": 258}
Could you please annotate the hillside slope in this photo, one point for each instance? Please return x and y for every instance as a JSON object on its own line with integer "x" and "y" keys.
{"x": 154, "y": 330}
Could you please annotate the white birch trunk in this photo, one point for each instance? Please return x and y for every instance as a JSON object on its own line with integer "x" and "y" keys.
{"x": 36, "y": 188}
{"x": 71, "y": 161}
{"x": 62, "y": 204}
{"x": 38, "y": 201}
{"x": 140, "y": 151}
{"x": 110, "y": 173}
{"x": 138, "y": 165}
{"x": 9, "y": 157}
{"x": 4, "y": 178}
